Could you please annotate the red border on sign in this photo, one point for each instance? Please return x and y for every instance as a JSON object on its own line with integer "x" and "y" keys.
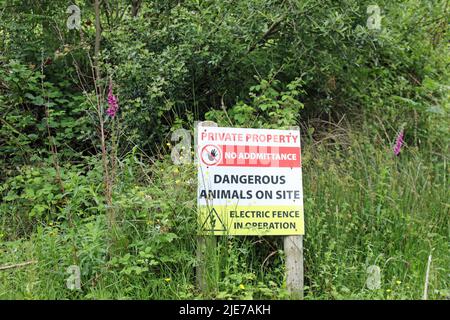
{"x": 259, "y": 156}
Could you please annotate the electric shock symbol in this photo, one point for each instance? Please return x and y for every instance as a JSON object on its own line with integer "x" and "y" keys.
{"x": 211, "y": 155}
{"x": 213, "y": 222}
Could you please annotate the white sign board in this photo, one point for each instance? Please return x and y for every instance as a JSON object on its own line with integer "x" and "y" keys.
{"x": 249, "y": 181}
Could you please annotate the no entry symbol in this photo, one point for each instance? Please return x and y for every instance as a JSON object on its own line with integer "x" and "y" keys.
{"x": 211, "y": 155}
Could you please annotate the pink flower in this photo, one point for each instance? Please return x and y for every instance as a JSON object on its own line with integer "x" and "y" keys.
{"x": 112, "y": 103}
{"x": 398, "y": 143}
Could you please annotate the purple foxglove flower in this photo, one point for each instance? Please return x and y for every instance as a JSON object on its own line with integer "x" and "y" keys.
{"x": 398, "y": 143}
{"x": 113, "y": 104}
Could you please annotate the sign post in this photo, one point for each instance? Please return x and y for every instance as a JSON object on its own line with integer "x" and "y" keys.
{"x": 250, "y": 183}
{"x": 293, "y": 248}
{"x": 204, "y": 243}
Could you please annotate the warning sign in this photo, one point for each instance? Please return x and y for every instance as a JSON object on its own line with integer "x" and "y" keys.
{"x": 211, "y": 155}
{"x": 249, "y": 181}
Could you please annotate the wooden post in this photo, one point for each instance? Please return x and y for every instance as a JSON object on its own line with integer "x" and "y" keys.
{"x": 293, "y": 249}
{"x": 201, "y": 266}
{"x": 204, "y": 243}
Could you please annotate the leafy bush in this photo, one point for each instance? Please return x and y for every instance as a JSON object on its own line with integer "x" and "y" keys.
{"x": 68, "y": 168}
{"x": 37, "y": 116}
{"x": 35, "y": 196}
{"x": 270, "y": 107}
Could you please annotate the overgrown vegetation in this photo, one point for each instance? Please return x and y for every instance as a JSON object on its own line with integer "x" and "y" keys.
{"x": 96, "y": 189}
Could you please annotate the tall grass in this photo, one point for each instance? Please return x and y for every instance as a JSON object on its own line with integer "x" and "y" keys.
{"x": 363, "y": 206}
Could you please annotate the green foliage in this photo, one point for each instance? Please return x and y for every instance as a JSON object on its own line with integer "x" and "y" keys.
{"x": 268, "y": 64}
{"x": 270, "y": 107}
{"x": 37, "y": 115}
{"x": 370, "y": 208}
{"x": 373, "y": 209}
{"x": 190, "y": 57}
{"x": 34, "y": 196}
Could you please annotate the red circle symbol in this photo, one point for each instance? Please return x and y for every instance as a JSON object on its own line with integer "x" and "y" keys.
{"x": 211, "y": 155}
